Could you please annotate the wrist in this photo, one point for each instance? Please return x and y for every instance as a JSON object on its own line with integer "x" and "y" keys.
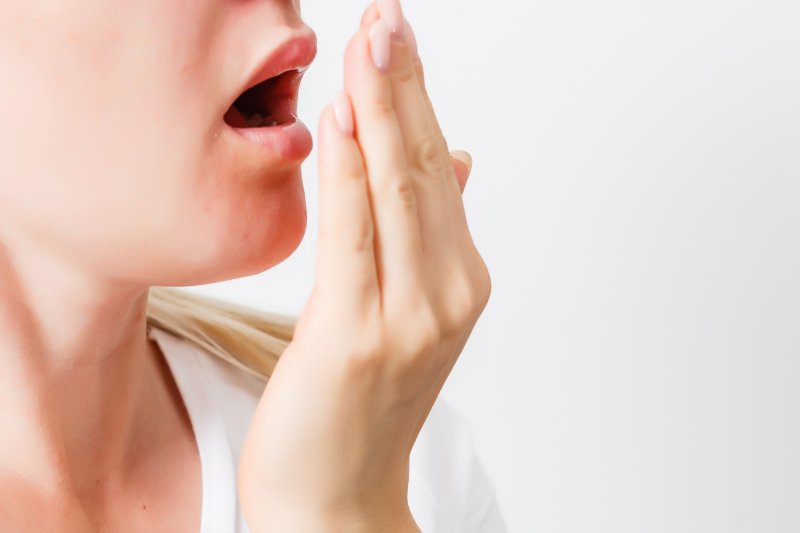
{"x": 308, "y": 524}
{"x": 340, "y": 521}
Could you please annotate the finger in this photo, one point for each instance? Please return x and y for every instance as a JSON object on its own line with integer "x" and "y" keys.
{"x": 426, "y": 147}
{"x": 345, "y": 263}
{"x": 393, "y": 201}
{"x": 462, "y": 165}
{"x": 420, "y": 77}
{"x": 371, "y": 14}
{"x": 436, "y": 183}
{"x": 420, "y": 70}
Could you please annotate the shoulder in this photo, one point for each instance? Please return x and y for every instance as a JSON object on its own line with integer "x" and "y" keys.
{"x": 449, "y": 489}
{"x": 235, "y": 392}
{"x": 228, "y": 391}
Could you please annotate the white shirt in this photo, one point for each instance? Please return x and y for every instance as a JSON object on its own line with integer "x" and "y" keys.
{"x": 448, "y": 492}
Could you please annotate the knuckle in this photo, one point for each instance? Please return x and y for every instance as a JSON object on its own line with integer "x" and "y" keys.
{"x": 349, "y": 234}
{"x": 466, "y": 299}
{"x": 482, "y": 278}
{"x": 420, "y": 70}
{"x": 400, "y": 191}
{"x": 359, "y": 238}
{"x": 352, "y": 176}
{"x": 457, "y": 316}
{"x": 369, "y": 358}
{"x": 382, "y": 107}
{"x": 430, "y": 154}
{"x": 404, "y": 74}
{"x": 484, "y": 284}
{"x": 424, "y": 337}
{"x": 418, "y": 331}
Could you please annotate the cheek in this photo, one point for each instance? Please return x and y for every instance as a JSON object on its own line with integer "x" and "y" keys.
{"x": 125, "y": 176}
{"x": 82, "y": 142}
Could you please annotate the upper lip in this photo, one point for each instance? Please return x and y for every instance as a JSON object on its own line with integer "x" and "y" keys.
{"x": 296, "y": 53}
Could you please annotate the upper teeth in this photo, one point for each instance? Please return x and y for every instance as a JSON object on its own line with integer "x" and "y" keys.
{"x": 257, "y": 120}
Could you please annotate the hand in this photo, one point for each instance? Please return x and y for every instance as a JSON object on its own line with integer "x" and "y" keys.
{"x": 399, "y": 287}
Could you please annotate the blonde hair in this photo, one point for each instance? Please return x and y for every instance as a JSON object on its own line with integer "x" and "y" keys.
{"x": 245, "y": 337}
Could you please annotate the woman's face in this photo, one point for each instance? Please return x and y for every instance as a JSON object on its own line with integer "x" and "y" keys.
{"x": 114, "y": 150}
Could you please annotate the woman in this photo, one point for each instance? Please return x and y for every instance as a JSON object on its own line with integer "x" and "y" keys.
{"x": 152, "y": 144}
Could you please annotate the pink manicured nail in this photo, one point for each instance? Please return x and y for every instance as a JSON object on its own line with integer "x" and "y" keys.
{"x": 411, "y": 39}
{"x": 392, "y": 13}
{"x": 343, "y": 111}
{"x": 380, "y": 42}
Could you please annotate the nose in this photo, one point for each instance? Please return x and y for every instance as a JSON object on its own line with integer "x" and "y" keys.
{"x": 272, "y": 12}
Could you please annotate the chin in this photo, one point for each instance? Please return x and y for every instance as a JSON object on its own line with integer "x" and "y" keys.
{"x": 278, "y": 244}
{"x": 255, "y": 238}
{"x": 276, "y": 236}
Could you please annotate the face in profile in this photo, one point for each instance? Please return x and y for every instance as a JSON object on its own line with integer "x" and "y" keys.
{"x": 131, "y": 142}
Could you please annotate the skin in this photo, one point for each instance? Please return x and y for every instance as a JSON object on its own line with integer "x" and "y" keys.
{"x": 95, "y": 415}
{"x": 114, "y": 178}
{"x": 399, "y": 287}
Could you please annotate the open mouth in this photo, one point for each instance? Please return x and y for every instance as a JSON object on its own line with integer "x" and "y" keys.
{"x": 270, "y": 103}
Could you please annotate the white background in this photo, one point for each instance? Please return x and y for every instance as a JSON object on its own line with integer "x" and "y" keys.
{"x": 636, "y": 195}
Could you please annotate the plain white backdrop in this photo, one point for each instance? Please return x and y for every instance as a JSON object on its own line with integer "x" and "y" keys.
{"x": 636, "y": 195}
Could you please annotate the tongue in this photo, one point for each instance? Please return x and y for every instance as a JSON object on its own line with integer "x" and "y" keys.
{"x": 235, "y": 118}
{"x": 281, "y": 109}
{"x": 282, "y": 114}
{"x": 274, "y": 95}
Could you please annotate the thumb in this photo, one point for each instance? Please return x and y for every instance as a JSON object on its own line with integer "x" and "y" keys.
{"x": 462, "y": 165}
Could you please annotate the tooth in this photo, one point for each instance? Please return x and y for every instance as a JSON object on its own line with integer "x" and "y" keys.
{"x": 254, "y": 120}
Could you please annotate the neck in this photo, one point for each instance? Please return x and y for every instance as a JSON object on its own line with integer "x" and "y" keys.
{"x": 78, "y": 382}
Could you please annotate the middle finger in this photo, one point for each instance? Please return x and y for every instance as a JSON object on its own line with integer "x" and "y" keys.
{"x": 439, "y": 201}
{"x": 393, "y": 201}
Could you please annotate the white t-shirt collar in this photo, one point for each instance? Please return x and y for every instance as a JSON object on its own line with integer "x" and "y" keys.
{"x": 219, "y": 506}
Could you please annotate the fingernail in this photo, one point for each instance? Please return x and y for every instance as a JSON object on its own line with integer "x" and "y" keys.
{"x": 380, "y": 41}
{"x": 464, "y": 157}
{"x": 411, "y": 39}
{"x": 392, "y": 13}
{"x": 343, "y": 111}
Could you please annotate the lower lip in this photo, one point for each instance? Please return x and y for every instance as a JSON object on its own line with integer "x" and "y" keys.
{"x": 290, "y": 142}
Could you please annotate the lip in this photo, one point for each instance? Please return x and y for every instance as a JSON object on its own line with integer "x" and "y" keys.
{"x": 290, "y": 142}
{"x": 296, "y": 53}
